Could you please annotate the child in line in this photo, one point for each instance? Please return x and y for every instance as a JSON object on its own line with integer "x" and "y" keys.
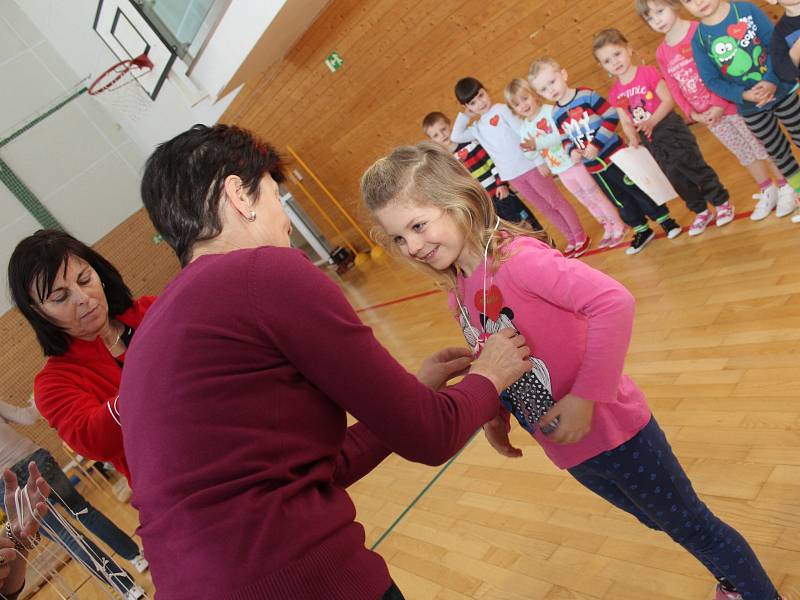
{"x": 785, "y": 50}
{"x": 579, "y": 321}
{"x": 588, "y": 123}
{"x": 698, "y": 103}
{"x": 785, "y": 46}
{"x": 645, "y": 106}
{"x": 477, "y": 161}
{"x": 540, "y": 137}
{"x": 731, "y": 49}
{"x": 497, "y": 131}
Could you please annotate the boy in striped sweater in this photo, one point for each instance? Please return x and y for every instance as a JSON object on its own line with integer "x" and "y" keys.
{"x": 588, "y": 124}
{"x": 474, "y": 157}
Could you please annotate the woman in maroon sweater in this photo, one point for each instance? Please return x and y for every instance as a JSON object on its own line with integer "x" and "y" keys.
{"x": 234, "y": 397}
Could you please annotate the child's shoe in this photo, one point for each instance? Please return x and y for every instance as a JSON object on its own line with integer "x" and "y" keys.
{"x": 725, "y": 214}
{"x": 640, "y": 240}
{"x": 569, "y": 251}
{"x": 581, "y": 248}
{"x": 767, "y": 201}
{"x": 605, "y": 240}
{"x": 701, "y": 221}
{"x": 671, "y": 228}
{"x": 723, "y": 594}
{"x": 787, "y": 201}
{"x": 796, "y": 217}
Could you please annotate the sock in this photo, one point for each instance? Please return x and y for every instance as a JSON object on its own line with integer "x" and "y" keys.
{"x": 765, "y": 184}
{"x": 780, "y": 182}
{"x": 794, "y": 181}
{"x": 641, "y": 228}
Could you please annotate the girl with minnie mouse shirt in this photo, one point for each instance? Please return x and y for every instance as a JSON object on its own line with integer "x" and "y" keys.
{"x": 645, "y": 109}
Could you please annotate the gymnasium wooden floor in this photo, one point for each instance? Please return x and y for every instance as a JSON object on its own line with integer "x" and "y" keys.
{"x": 716, "y": 348}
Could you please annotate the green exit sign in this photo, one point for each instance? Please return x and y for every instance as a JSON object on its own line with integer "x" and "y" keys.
{"x": 334, "y": 62}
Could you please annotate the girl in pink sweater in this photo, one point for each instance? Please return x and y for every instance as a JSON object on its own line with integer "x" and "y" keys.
{"x": 588, "y": 416}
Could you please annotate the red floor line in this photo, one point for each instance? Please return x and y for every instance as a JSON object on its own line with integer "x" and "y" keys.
{"x": 738, "y": 216}
{"x": 743, "y": 215}
{"x": 398, "y": 300}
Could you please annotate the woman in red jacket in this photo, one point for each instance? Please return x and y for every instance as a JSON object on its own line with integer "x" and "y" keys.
{"x": 84, "y": 317}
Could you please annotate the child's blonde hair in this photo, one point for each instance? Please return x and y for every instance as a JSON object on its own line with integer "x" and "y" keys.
{"x": 608, "y": 37}
{"x": 514, "y": 87}
{"x": 643, "y": 6}
{"x": 426, "y": 174}
{"x": 539, "y": 64}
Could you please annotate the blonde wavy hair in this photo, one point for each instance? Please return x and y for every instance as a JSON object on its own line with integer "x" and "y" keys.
{"x": 427, "y": 175}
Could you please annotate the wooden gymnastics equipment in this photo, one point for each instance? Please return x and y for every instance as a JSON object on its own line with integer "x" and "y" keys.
{"x": 361, "y": 257}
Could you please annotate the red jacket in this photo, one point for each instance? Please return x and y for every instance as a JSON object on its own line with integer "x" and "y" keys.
{"x": 77, "y": 392}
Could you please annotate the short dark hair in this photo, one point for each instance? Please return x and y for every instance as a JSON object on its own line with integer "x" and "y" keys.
{"x": 432, "y": 118}
{"x": 34, "y": 265}
{"x": 184, "y": 179}
{"x": 467, "y": 88}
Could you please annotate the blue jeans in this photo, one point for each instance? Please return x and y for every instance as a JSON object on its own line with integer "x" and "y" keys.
{"x": 93, "y": 519}
{"x": 644, "y": 478}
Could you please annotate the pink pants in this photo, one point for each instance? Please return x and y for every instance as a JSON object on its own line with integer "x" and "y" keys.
{"x": 541, "y": 191}
{"x": 578, "y": 181}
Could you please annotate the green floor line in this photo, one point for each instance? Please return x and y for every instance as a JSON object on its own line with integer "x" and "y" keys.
{"x": 42, "y": 117}
{"x": 16, "y": 186}
{"x": 428, "y": 486}
{"x": 27, "y": 198}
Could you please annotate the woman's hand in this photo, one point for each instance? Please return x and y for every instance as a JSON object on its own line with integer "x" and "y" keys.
{"x": 38, "y": 490}
{"x": 12, "y": 569}
{"x": 496, "y": 432}
{"x": 504, "y": 359}
{"x": 440, "y": 367}
{"x": 575, "y": 419}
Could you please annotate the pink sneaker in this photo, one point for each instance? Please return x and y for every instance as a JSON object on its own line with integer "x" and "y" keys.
{"x": 725, "y": 214}
{"x": 725, "y": 595}
{"x": 701, "y": 221}
{"x": 605, "y": 240}
{"x": 581, "y": 248}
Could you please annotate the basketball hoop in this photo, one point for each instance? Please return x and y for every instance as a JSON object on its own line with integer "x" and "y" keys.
{"x": 113, "y": 87}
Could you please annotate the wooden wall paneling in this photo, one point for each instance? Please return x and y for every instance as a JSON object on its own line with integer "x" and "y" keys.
{"x": 402, "y": 59}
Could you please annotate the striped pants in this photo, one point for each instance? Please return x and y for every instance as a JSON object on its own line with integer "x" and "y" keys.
{"x": 765, "y": 125}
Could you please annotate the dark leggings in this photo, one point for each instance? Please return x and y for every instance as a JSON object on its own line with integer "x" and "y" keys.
{"x": 633, "y": 204}
{"x": 643, "y": 477}
{"x": 676, "y": 151}
{"x": 393, "y": 593}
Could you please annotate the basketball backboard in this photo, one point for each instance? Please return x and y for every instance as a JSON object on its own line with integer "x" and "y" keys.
{"x": 128, "y": 33}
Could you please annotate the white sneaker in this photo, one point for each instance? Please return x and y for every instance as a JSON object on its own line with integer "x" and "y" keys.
{"x": 767, "y": 201}
{"x": 134, "y": 593}
{"x": 140, "y": 563}
{"x": 796, "y": 218}
{"x": 787, "y": 201}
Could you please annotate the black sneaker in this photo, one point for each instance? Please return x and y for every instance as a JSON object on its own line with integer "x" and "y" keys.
{"x": 671, "y": 228}
{"x": 640, "y": 240}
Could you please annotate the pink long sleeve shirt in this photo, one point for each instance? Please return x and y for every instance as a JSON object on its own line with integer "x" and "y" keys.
{"x": 578, "y": 322}
{"x": 683, "y": 79}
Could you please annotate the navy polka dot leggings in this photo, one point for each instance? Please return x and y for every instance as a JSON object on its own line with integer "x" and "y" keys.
{"x": 643, "y": 477}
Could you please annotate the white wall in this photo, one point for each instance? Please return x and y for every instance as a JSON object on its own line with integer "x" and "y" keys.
{"x": 80, "y": 164}
{"x": 67, "y": 25}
